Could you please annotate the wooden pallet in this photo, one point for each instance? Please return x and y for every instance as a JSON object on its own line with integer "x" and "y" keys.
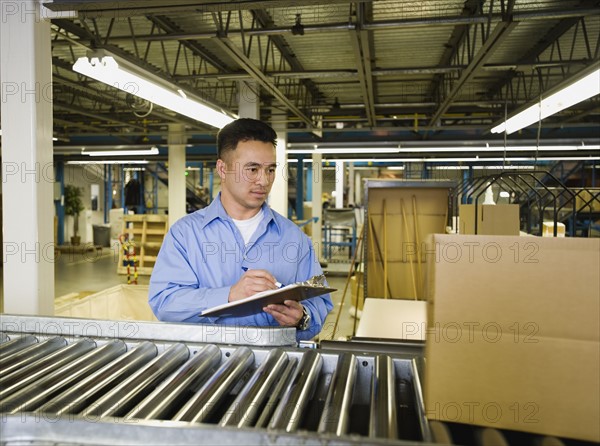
{"x": 147, "y": 232}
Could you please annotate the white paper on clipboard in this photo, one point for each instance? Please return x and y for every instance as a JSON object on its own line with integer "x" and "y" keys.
{"x": 255, "y": 303}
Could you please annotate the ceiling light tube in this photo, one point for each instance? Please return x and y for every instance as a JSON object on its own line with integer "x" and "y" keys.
{"x": 345, "y": 151}
{"x": 131, "y": 79}
{"x": 584, "y": 88}
{"x": 457, "y": 149}
{"x": 108, "y": 162}
{"x": 151, "y": 151}
{"x": 475, "y": 159}
{"x": 488, "y": 149}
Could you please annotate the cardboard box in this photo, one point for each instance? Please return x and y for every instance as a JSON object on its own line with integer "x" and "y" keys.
{"x": 396, "y": 234}
{"x": 492, "y": 219}
{"x": 121, "y": 303}
{"x": 548, "y": 229}
{"x": 513, "y": 336}
{"x": 393, "y": 319}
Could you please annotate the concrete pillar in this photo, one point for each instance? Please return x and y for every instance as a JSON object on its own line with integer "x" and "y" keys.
{"x": 176, "y": 141}
{"x": 358, "y": 197}
{"x": 249, "y": 99}
{"x": 351, "y": 199}
{"x": 339, "y": 184}
{"x": 278, "y": 198}
{"x": 27, "y": 170}
{"x": 300, "y": 188}
{"x": 317, "y": 202}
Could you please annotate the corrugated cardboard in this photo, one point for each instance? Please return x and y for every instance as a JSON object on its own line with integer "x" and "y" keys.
{"x": 396, "y": 234}
{"x": 492, "y": 219}
{"x": 121, "y": 303}
{"x": 514, "y": 334}
{"x": 393, "y": 319}
{"x": 548, "y": 229}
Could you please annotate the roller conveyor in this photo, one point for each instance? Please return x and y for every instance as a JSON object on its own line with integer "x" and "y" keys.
{"x": 74, "y": 386}
{"x": 228, "y": 388}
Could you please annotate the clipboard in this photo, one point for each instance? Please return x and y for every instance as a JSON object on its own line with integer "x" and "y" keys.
{"x": 255, "y": 303}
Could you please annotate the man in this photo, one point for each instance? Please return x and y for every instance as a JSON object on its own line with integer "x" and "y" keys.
{"x": 237, "y": 246}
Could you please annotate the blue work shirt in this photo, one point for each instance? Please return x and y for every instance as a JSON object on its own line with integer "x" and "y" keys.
{"x": 204, "y": 254}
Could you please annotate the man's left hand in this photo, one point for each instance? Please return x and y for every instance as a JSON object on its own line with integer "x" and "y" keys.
{"x": 287, "y": 314}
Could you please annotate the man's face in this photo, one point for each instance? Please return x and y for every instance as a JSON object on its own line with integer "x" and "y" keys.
{"x": 247, "y": 174}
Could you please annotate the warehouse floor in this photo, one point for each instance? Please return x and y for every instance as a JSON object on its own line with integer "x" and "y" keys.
{"x": 79, "y": 275}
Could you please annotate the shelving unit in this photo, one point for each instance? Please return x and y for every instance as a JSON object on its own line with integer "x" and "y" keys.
{"x": 146, "y": 232}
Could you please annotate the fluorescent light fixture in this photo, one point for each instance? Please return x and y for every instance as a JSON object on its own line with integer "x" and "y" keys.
{"x": 488, "y": 149}
{"x": 452, "y": 160}
{"x": 503, "y": 167}
{"x": 108, "y": 162}
{"x": 150, "y": 151}
{"x": 345, "y": 151}
{"x": 131, "y": 79}
{"x": 578, "y": 91}
{"x": 447, "y": 149}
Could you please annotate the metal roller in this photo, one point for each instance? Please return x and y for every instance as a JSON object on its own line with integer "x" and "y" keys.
{"x": 246, "y": 408}
{"x": 34, "y": 371}
{"x": 336, "y": 413}
{"x": 127, "y": 394}
{"x": 440, "y": 433}
{"x": 277, "y": 393}
{"x": 31, "y": 354}
{"x": 203, "y": 404}
{"x": 383, "y": 419}
{"x": 40, "y": 391}
{"x": 490, "y": 437}
{"x": 88, "y": 390}
{"x": 290, "y": 410}
{"x": 172, "y": 392}
{"x": 10, "y": 347}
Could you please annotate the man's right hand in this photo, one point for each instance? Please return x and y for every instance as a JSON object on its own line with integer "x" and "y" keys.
{"x": 253, "y": 281}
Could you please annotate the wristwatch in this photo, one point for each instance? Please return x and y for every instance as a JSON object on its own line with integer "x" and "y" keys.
{"x": 304, "y": 321}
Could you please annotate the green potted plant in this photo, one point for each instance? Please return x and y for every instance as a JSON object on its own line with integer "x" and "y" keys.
{"x": 73, "y": 206}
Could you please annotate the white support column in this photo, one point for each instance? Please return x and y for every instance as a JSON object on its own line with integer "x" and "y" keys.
{"x": 317, "y": 203}
{"x": 278, "y": 198}
{"x": 339, "y": 184}
{"x": 351, "y": 200}
{"x": 249, "y": 99}
{"x": 176, "y": 140}
{"x": 27, "y": 170}
{"x": 358, "y": 198}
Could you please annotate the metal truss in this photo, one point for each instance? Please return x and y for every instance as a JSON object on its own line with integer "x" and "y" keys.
{"x": 551, "y": 61}
{"x": 470, "y": 47}
{"x": 241, "y": 41}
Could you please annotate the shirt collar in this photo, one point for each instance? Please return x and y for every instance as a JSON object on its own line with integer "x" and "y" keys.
{"x": 216, "y": 210}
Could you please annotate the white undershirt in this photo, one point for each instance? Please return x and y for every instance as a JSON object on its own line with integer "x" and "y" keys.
{"x": 247, "y": 227}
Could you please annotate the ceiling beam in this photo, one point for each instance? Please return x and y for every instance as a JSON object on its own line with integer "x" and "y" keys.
{"x": 470, "y": 9}
{"x": 499, "y": 33}
{"x": 238, "y": 55}
{"x": 284, "y": 49}
{"x": 565, "y": 82}
{"x": 100, "y": 117}
{"x": 361, "y": 44}
{"x": 460, "y": 20}
{"x": 171, "y": 28}
{"x": 110, "y": 8}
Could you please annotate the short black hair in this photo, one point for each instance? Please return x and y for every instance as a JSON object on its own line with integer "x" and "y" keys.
{"x": 243, "y": 129}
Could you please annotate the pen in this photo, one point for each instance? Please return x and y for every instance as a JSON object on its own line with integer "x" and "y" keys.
{"x": 277, "y": 284}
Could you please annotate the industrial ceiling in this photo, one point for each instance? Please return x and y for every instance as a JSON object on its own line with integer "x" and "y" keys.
{"x": 334, "y": 71}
